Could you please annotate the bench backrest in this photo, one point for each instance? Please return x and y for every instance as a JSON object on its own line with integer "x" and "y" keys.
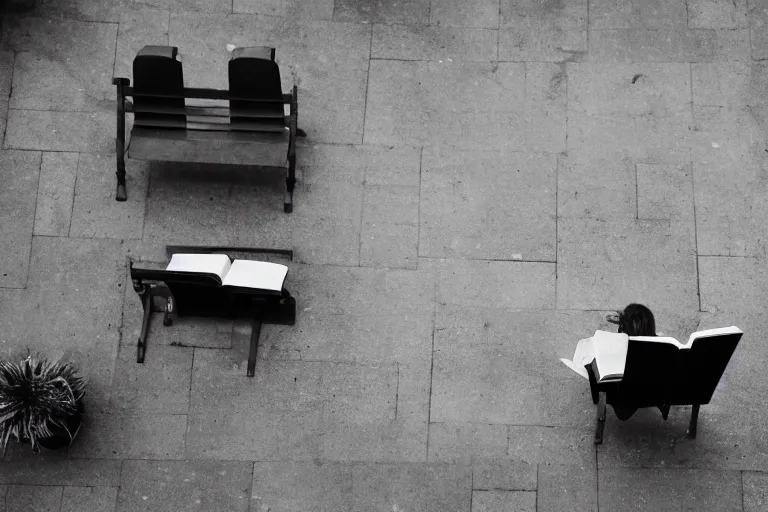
{"x": 660, "y": 373}
{"x": 253, "y": 73}
{"x": 156, "y": 70}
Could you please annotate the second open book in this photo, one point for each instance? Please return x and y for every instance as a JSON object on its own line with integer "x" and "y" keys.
{"x": 243, "y": 273}
{"x": 609, "y": 350}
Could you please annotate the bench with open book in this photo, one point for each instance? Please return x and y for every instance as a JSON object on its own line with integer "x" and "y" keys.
{"x": 245, "y": 125}
{"x": 199, "y": 282}
{"x": 654, "y": 371}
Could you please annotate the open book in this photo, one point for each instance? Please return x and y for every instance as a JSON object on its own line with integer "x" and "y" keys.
{"x": 261, "y": 275}
{"x": 609, "y": 350}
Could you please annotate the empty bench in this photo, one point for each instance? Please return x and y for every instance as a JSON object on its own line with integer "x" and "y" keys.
{"x": 247, "y": 126}
{"x": 206, "y": 282}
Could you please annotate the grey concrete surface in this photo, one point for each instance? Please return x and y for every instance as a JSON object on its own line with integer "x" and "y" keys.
{"x": 482, "y": 182}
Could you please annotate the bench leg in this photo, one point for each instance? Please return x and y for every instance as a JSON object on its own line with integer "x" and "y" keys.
{"x": 255, "y": 333}
{"x": 290, "y": 183}
{"x": 146, "y": 302}
{"x": 600, "y": 419}
{"x": 167, "y": 318}
{"x": 121, "y": 194}
{"x": 694, "y": 421}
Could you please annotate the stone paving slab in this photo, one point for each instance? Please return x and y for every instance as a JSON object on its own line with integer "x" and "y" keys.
{"x": 402, "y": 439}
{"x": 566, "y": 488}
{"x": 229, "y": 197}
{"x": 389, "y": 231}
{"x": 160, "y": 486}
{"x": 95, "y": 213}
{"x": 714, "y": 14}
{"x": 426, "y": 487}
{"x": 402, "y": 335}
{"x": 504, "y": 475}
{"x": 649, "y": 14}
{"x": 55, "y": 469}
{"x": 490, "y": 367}
{"x": 594, "y": 185}
{"x": 17, "y": 212}
{"x": 298, "y": 486}
{"x": 541, "y": 31}
{"x": 525, "y": 40}
{"x": 755, "y": 491}
{"x": 331, "y": 105}
{"x": 472, "y": 13}
{"x": 161, "y": 384}
{"x": 657, "y": 89}
{"x": 537, "y": 444}
{"x": 493, "y": 501}
{"x": 502, "y": 207}
{"x": 60, "y": 131}
{"x": 596, "y": 271}
{"x": 729, "y": 183}
{"x": 61, "y": 65}
{"x": 455, "y": 442}
{"x": 131, "y": 436}
{"x": 497, "y": 284}
{"x": 289, "y": 407}
{"x": 467, "y": 105}
{"x": 725, "y": 439}
{"x": 644, "y": 489}
{"x": 389, "y": 12}
{"x": 287, "y": 486}
{"x": 730, "y": 84}
{"x": 758, "y": 25}
{"x": 32, "y": 497}
{"x": 296, "y": 9}
{"x": 694, "y": 45}
{"x": 89, "y": 498}
{"x": 6, "y": 75}
{"x": 407, "y": 42}
{"x": 55, "y": 193}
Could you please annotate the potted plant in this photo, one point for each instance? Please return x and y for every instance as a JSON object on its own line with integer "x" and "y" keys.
{"x": 41, "y": 403}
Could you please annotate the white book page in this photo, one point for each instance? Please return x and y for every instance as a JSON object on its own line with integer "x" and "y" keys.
{"x": 587, "y": 350}
{"x": 661, "y": 339}
{"x": 720, "y": 331}
{"x": 256, "y": 274}
{"x": 610, "y": 352}
{"x": 206, "y": 263}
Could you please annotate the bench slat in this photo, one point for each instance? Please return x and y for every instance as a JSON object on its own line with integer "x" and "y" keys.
{"x": 210, "y": 94}
{"x": 224, "y": 126}
{"x": 269, "y": 113}
{"x": 212, "y": 147}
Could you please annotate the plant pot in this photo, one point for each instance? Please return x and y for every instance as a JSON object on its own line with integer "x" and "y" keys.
{"x": 61, "y": 438}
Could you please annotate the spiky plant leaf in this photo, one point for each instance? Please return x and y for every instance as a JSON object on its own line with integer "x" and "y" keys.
{"x": 36, "y": 395}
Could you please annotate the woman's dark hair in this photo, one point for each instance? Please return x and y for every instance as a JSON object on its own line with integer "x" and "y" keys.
{"x": 637, "y": 320}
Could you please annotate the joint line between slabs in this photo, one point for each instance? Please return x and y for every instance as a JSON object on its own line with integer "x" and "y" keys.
{"x": 431, "y": 364}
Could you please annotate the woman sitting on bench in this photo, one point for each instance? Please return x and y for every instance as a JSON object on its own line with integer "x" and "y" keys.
{"x": 635, "y": 320}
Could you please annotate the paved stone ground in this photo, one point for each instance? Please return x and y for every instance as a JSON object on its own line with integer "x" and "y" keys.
{"x": 482, "y": 181}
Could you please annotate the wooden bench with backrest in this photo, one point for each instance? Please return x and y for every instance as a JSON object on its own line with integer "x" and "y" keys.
{"x": 659, "y": 374}
{"x": 206, "y": 282}
{"x": 245, "y": 125}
